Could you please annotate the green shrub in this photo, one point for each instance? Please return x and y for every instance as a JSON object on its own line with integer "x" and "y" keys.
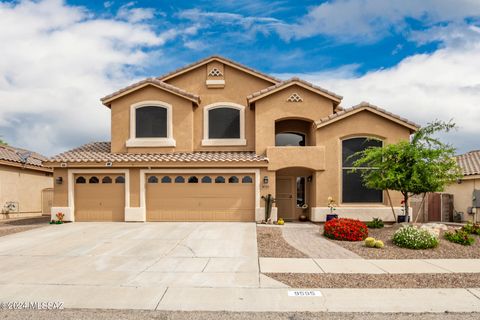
{"x": 471, "y": 228}
{"x": 379, "y": 244}
{"x": 413, "y": 238}
{"x": 376, "y": 223}
{"x": 460, "y": 237}
{"x": 370, "y": 242}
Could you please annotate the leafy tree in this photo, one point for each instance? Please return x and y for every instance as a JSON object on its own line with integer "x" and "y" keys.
{"x": 423, "y": 164}
{"x": 2, "y": 142}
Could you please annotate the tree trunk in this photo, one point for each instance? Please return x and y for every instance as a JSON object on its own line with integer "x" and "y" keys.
{"x": 391, "y": 206}
{"x": 405, "y": 198}
{"x": 421, "y": 206}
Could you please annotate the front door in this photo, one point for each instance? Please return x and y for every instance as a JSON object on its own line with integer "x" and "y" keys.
{"x": 285, "y": 199}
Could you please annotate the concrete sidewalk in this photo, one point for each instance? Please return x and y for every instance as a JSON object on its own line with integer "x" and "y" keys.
{"x": 372, "y": 266}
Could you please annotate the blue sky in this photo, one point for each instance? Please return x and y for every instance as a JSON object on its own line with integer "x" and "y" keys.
{"x": 418, "y": 59}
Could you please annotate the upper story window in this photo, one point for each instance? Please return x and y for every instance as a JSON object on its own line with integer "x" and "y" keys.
{"x": 224, "y": 124}
{"x": 353, "y": 190}
{"x": 151, "y": 125}
{"x": 285, "y": 139}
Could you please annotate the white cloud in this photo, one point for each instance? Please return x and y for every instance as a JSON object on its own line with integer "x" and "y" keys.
{"x": 441, "y": 85}
{"x": 57, "y": 61}
{"x": 370, "y": 20}
{"x": 131, "y": 14}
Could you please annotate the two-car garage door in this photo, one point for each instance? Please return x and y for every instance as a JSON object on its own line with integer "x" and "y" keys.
{"x": 200, "y": 197}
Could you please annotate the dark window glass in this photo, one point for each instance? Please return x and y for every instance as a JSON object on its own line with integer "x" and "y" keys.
{"x": 219, "y": 179}
{"x": 179, "y": 179}
{"x": 247, "y": 179}
{"x": 80, "y": 180}
{"x": 166, "y": 179}
{"x": 120, "y": 179}
{"x": 224, "y": 123}
{"x": 107, "y": 179}
{"x": 152, "y": 179}
{"x": 206, "y": 179}
{"x": 151, "y": 122}
{"x": 289, "y": 139}
{"x": 93, "y": 180}
{"x": 193, "y": 179}
{"x": 351, "y": 146}
{"x": 233, "y": 179}
{"x": 353, "y": 189}
{"x": 300, "y": 191}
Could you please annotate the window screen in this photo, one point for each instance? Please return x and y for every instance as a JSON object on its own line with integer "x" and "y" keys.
{"x": 151, "y": 122}
{"x": 224, "y": 123}
{"x": 353, "y": 189}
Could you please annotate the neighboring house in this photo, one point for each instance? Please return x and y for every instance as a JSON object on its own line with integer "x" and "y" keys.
{"x": 24, "y": 183}
{"x": 464, "y": 195}
{"x": 207, "y": 141}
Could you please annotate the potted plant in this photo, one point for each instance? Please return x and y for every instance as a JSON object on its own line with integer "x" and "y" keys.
{"x": 331, "y": 205}
{"x": 403, "y": 217}
{"x": 303, "y": 217}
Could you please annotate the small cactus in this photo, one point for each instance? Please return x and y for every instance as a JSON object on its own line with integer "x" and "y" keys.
{"x": 379, "y": 244}
{"x": 370, "y": 242}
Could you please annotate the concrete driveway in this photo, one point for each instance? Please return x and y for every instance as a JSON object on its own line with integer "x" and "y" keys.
{"x": 143, "y": 255}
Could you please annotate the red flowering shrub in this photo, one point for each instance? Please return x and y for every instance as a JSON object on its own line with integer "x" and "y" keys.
{"x": 345, "y": 229}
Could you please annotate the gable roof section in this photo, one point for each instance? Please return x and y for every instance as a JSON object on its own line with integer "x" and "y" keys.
{"x": 290, "y": 82}
{"x": 223, "y": 60}
{"x": 18, "y": 157}
{"x": 369, "y": 107}
{"x": 100, "y": 152}
{"x": 154, "y": 82}
{"x": 469, "y": 162}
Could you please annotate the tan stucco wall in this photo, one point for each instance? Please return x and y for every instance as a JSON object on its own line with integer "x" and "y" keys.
{"x": 462, "y": 195}
{"x": 182, "y": 118}
{"x": 361, "y": 124}
{"x": 134, "y": 187}
{"x": 275, "y": 107}
{"x": 23, "y": 186}
{"x": 60, "y": 191}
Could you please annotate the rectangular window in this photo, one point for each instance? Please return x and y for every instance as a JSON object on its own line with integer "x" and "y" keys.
{"x": 224, "y": 123}
{"x": 151, "y": 122}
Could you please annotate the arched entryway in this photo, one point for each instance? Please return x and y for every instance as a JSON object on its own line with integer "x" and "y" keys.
{"x": 295, "y": 194}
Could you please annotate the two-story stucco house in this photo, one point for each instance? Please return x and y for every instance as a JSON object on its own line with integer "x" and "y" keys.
{"x": 207, "y": 141}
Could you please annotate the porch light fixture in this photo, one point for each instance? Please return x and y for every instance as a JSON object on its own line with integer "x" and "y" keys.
{"x": 309, "y": 178}
{"x": 58, "y": 180}
{"x": 265, "y": 180}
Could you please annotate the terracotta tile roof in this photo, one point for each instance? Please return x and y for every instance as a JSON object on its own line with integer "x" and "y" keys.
{"x": 190, "y": 96}
{"x": 222, "y": 59}
{"x": 363, "y": 106}
{"x": 100, "y": 152}
{"x": 265, "y": 91}
{"x": 469, "y": 162}
{"x": 21, "y": 156}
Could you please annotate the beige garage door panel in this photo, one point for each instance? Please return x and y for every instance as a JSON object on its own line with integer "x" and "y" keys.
{"x": 102, "y": 201}
{"x": 201, "y": 201}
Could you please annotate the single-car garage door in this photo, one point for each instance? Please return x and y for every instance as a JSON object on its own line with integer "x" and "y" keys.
{"x": 99, "y": 197}
{"x": 194, "y": 197}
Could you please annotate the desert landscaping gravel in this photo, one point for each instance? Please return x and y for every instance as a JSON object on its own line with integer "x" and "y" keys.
{"x": 315, "y": 280}
{"x": 271, "y": 244}
{"x": 445, "y": 250}
{"x": 83, "y": 314}
{"x": 20, "y": 225}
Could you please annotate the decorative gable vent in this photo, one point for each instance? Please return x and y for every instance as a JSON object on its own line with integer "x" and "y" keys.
{"x": 215, "y": 73}
{"x": 295, "y": 98}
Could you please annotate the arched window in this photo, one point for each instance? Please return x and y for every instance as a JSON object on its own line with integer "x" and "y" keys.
{"x": 219, "y": 179}
{"x": 193, "y": 179}
{"x": 166, "y": 179}
{"x": 284, "y": 139}
{"x": 80, "y": 180}
{"x": 93, "y": 180}
{"x": 179, "y": 179}
{"x": 151, "y": 122}
{"x": 233, "y": 179}
{"x": 152, "y": 179}
{"x": 247, "y": 179}
{"x": 353, "y": 189}
{"x": 224, "y": 124}
{"x": 106, "y": 179}
{"x": 120, "y": 179}
{"x": 206, "y": 179}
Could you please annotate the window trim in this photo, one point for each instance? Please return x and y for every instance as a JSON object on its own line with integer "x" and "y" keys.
{"x": 381, "y": 203}
{"x": 206, "y": 141}
{"x": 133, "y": 141}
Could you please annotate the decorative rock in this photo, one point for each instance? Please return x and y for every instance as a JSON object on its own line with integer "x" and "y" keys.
{"x": 434, "y": 228}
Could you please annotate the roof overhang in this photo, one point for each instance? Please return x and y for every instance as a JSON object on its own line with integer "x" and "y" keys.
{"x": 25, "y": 166}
